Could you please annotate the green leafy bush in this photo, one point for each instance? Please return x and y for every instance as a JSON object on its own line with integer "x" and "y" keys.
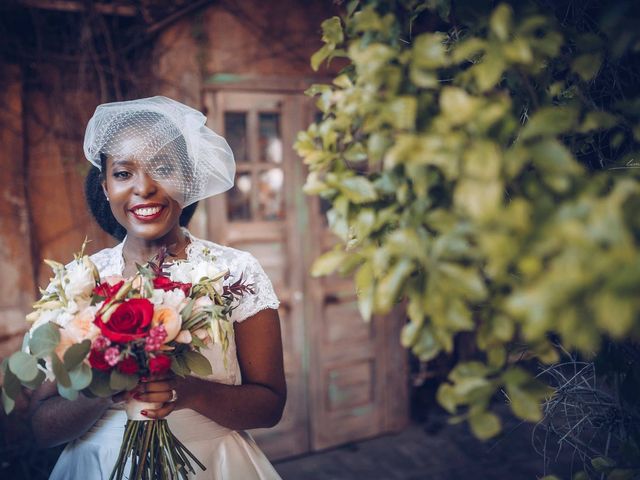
{"x": 483, "y": 166}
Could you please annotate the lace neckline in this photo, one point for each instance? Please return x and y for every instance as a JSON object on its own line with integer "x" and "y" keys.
{"x": 188, "y": 250}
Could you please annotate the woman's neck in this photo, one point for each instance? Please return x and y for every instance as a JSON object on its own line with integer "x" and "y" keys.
{"x": 141, "y": 250}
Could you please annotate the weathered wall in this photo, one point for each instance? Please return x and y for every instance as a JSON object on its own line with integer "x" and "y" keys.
{"x": 16, "y": 275}
{"x": 56, "y": 171}
{"x": 44, "y": 214}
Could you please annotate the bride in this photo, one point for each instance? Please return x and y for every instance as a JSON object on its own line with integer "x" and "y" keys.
{"x": 152, "y": 160}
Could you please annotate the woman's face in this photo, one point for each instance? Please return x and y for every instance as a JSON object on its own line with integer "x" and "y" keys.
{"x": 139, "y": 203}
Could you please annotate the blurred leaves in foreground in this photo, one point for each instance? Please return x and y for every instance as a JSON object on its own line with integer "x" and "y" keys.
{"x": 483, "y": 165}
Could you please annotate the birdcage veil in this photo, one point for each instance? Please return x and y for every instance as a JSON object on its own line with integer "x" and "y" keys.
{"x": 169, "y": 140}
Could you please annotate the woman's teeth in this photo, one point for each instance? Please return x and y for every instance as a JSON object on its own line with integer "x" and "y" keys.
{"x": 147, "y": 212}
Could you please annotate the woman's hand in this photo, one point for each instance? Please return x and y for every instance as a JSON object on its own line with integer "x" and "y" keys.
{"x": 157, "y": 389}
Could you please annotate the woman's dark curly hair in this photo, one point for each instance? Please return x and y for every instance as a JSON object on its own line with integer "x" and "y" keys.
{"x": 101, "y": 210}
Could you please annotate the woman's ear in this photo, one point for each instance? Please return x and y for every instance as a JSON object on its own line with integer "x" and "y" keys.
{"x": 104, "y": 189}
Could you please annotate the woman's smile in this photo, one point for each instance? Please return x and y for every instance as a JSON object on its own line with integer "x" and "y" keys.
{"x": 147, "y": 212}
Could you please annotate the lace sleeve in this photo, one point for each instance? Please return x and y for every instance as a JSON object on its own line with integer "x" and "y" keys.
{"x": 264, "y": 297}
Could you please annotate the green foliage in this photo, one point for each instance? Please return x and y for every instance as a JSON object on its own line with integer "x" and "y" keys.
{"x": 198, "y": 363}
{"x": 484, "y": 171}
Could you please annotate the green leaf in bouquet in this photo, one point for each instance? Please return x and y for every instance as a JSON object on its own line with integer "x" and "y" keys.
{"x": 24, "y": 366}
{"x": 11, "y": 384}
{"x": 44, "y": 340}
{"x": 62, "y": 376}
{"x": 196, "y": 342}
{"x": 179, "y": 366}
{"x": 36, "y": 382}
{"x": 185, "y": 313}
{"x": 7, "y": 403}
{"x": 119, "y": 381}
{"x": 75, "y": 354}
{"x": 198, "y": 363}
{"x": 99, "y": 385}
{"x": 80, "y": 376}
{"x": 68, "y": 393}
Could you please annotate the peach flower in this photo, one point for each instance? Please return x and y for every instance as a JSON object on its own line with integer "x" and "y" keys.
{"x": 169, "y": 318}
{"x": 79, "y": 328}
{"x": 184, "y": 337}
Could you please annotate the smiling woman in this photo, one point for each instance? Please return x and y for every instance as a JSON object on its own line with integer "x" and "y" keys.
{"x": 153, "y": 160}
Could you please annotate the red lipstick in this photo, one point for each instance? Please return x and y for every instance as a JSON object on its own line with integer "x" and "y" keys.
{"x": 147, "y": 212}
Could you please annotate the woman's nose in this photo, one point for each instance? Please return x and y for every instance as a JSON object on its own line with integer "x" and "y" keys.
{"x": 144, "y": 185}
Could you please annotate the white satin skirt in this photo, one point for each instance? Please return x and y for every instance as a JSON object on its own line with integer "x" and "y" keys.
{"x": 227, "y": 454}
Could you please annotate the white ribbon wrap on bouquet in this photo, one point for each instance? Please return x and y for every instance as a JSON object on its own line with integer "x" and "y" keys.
{"x": 134, "y": 407}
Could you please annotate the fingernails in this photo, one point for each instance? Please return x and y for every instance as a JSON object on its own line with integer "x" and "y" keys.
{"x": 144, "y": 412}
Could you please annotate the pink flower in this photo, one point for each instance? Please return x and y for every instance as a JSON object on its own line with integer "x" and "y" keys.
{"x": 157, "y": 336}
{"x": 101, "y": 343}
{"x": 112, "y": 355}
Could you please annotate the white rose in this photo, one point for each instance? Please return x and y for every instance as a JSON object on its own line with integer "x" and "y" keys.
{"x": 79, "y": 282}
{"x": 180, "y": 272}
{"x": 64, "y": 318}
{"x": 72, "y": 307}
{"x": 157, "y": 297}
{"x": 203, "y": 270}
{"x": 173, "y": 298}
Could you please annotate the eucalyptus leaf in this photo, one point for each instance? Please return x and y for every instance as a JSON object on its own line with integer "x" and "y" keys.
{"x": 44, "y": 340}
{"x": 11, "y": 385}
{"x": 8, "y": 403}
{"x": 61, "y": 374}
{"x": 81, "y": 376}
{"x": 24, "y": 366}
{"x": 36, "y": 382}
{"x": 68, "y": 393}
{"x": 75, "y": 354}
{"x": 99, "y": 385}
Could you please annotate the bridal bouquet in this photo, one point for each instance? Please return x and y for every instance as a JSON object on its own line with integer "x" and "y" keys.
{"x": 99, "y": 336}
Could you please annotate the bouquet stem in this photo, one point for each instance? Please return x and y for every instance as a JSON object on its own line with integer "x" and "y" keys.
{"x": 152, "y": 450}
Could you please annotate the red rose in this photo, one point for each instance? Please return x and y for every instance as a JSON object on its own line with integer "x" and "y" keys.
{"x": 97, "y": 361}
{"x": 107, "y": 291}
{"x": 128, "y": 365}
{"x": 130, "y": 321}
{"x": 159, "y": 364}
{"x": 166, "y": 284}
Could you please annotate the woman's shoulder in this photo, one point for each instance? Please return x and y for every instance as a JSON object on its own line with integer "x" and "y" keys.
{"x": 201, "y": 248}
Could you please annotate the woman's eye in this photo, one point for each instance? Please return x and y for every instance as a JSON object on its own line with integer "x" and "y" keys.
{"x": 122, "y": 174}
{"x": 163, "y": 170}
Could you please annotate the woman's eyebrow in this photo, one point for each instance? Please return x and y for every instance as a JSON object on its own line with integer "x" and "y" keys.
{"x": 122, "y": 162}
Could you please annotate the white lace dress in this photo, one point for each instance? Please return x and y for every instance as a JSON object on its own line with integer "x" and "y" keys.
{"x": 227, "y": 454}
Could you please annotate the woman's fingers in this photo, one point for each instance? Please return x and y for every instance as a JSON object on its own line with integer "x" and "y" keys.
{"x": 158, "y": 397}
{"x": 161, "y": 412}
{"x": 156, "y": 386}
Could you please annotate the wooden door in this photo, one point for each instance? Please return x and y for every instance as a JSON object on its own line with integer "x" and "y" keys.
{"x": 259, "y": 215}
{"x": 346, "y": 379}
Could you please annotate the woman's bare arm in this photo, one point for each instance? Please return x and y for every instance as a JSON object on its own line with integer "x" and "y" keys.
{"x": 56, "y": 420}
{"x": 258, "y": 402}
